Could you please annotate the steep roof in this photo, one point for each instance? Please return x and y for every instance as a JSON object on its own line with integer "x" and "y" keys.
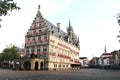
{"x": 54, "y": 29}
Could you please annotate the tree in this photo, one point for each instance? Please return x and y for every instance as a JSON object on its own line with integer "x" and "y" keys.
{"x": 9, "y": 54}
{"x": 7, "y": 5}
{"x": 0, "y": 57}
{"x": 14, "y": 52}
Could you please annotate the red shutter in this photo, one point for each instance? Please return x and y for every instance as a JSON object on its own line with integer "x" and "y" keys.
{"x": 54, "y": 54}
{"x": 36, "y": 41}
{"x": 35, "y": 53}
{"x": 26, "y": 41}
{"x": 37, "y": 33}
{"x": 42, "y": 39}
{"x": 30, "y": 41}
{"x": 31, "y": 34}
{"x": 41, "y": 53}
{"x": 32, "y": 26}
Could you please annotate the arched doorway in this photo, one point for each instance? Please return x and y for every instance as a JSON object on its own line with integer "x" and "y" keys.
{"x": 41, "y": 66}
{"x": 36, "y": 65}
{"x": 27, "y": 65}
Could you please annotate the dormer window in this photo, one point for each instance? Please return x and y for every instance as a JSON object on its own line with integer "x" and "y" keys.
{"x": 38, "y": 15}
{"x": 51, "y": 26}
{"x": 69, "y": 41}
{"x": 35, "y": 26}
{"x": 40, "y": 31}
{"x": 52, "y": 32}
{"x": 59, "y": 36}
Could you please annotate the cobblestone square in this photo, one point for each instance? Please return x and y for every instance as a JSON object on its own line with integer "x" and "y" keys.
{"x": 83, "y": 74}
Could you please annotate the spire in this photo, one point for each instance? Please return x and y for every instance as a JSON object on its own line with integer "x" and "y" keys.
{"x": 38, "y": 7}
{"x": 70, "y": 30}
{"x": 38, "y": 12}
{"x": 69, "y": 23}
{"x": 70, "y": 27}
{"x": 105, "y": 49}
{"x": 78, "y": 39}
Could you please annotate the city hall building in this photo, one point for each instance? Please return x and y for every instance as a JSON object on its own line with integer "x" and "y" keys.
{"x": 47, "y": 47}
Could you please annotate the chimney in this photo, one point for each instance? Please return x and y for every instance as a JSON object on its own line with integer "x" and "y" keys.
{"x": 58, "y": 26}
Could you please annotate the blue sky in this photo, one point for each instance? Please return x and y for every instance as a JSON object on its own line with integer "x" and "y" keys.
{"x": 93, "y": 21}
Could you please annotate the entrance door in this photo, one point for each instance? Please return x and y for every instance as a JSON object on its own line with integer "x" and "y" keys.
{"x": 36, "y": 65}
{"x": 27, "y": 65}
{"x": 41, "y": 66}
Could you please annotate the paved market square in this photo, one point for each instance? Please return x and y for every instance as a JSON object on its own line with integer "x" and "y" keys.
{"x": 83, "y": 74}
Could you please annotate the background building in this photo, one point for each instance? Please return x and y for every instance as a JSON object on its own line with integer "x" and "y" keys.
{"x": 48, "y": 47}
{"x": 84, "y": 62}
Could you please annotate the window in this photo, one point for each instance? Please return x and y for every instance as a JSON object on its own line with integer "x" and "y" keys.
{"x": 32, "y": 51}
{"x": 52, "y": 32}
{"x": 51, "y": 26}
{"x": 27, "y": 51}
{"x": 69, "y": 41}
{"x": 55, "y": 65}
{"x": 57, "y": 52}
{"x": 59, "y": 36}
{"x": 35, "y": 26}
{"x": 38, "y": 51}
{"x": 45, "y": 37}
{"x": 38, "y": 15}
{"x": 59, "y": 65}
{"x": 34, "y": 32}
{"x": 51, "y": 51}
{"x": 66, "y": 65}
{"x": 39, "y": 38}
{"x": 33, "y": 39}
{"x": 44, "y": 50}
{"x": 40, "y": 31}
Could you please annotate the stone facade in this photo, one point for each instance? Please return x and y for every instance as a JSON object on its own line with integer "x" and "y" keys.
{"x": 47, "y": 46}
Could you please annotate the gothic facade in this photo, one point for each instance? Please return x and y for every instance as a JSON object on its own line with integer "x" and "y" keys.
{"x": 47, "y": 47}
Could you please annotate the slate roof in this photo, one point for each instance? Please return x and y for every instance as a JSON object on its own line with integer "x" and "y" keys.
{"x": 54, "y": 29}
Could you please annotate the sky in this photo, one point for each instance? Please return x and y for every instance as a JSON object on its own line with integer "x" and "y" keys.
{"x": 92, "y": 20}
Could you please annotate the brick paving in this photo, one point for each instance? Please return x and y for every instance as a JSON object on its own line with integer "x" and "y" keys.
{"x": 83, "y": 74}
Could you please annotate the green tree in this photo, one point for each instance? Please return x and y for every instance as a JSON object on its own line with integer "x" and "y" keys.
{"x": 0, "y": 57}
{"x": 10, "y": 54}
{"x": 14, "y": 52}
{"x": 7, "y": 5}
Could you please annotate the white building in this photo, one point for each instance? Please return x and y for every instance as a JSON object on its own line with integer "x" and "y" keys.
{"x": 84, "y": 62}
